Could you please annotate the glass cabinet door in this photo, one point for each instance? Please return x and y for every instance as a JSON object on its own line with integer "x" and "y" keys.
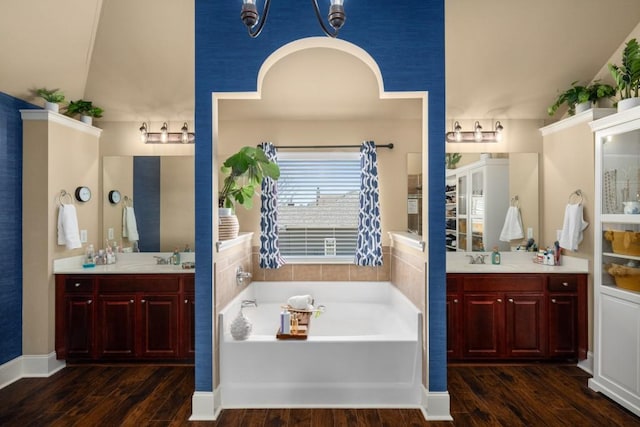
{"x": 462, "y": 213}
{"x": 620, "y": 210}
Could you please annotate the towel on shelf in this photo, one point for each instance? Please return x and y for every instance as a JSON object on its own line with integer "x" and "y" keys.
{"x": 68, "y": 233}
{"x": 512, "y": 228}
{"x": 301, "y": 302}
{"x": 574, "y": 224}
{"x": 129, "y": 224}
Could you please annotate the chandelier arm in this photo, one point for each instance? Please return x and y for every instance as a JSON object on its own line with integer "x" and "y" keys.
{"x": 332, "y": 34}
{"x": 258, "y": 29}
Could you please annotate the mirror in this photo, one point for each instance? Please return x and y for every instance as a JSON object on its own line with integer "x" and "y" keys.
{"x": 163, "y": 193}
{"x": 522, "y": 182}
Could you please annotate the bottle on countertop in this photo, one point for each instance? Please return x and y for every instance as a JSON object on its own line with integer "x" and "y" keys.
{"x": 176, "y": 257}
{"x": 495, "y": 256}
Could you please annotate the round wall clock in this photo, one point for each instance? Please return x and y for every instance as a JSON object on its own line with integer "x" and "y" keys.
{"x": 114, "y": 197}
{"x": 83, "y": 194}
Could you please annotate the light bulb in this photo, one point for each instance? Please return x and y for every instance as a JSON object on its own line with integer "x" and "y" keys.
{"x": 499, "y": 130}
{"x": 185, "y": 134}
{"x": 143, "y": 133}
{"x": 457, "y": 131}
{"x": 164, "y": 133}
{"x": 477, "y": 133}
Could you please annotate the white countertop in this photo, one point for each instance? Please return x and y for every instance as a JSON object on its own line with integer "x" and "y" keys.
{"x": 128, "y": 263}
{"x": 513, "y": 262}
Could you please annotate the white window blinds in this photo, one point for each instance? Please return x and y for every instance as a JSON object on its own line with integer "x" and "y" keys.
{"x": 318, "y": 203}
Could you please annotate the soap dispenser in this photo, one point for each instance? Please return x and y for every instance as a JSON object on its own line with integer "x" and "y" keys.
{"x": 495, "y": 256}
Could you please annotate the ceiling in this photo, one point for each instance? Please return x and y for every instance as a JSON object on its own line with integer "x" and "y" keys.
{"x": 505, "y": 59}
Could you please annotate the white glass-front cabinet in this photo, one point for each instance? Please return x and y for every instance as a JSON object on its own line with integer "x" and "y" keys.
{"x": 616, "y": 358}
{"x": 469, "y": 189}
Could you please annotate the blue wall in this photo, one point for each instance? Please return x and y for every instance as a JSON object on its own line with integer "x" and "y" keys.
{"x": 11, "y": 226}
{"x": 406, "y": 39}
{"x": 146, "y": 187}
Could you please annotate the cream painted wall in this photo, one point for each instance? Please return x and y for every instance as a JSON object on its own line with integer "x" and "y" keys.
{"x": 568, "y": 164}
{"x": 392, "y": 164}
{"x": 59, "y": 154}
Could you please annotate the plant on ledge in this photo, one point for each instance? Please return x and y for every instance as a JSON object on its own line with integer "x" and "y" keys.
{"x": 627, "y": 75}
{"x": 246, "y": 169}
{"x": 53, "y": 95}
{"x": 83, "y": 108}
{"x": 578, "y": 94}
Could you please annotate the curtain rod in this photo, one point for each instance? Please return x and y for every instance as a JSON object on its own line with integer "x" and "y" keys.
{"x": 285, "y": 147}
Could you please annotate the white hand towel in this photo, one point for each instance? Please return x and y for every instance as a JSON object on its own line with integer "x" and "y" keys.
{"x": 129, "y": 224}
{"x": 301, "y": 302}
{"x": 512, "y": 228}
{"x": 68, "y": 232}
{"x": 574, "y": 224}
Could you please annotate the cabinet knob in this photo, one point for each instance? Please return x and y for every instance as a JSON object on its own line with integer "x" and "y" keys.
{"x": 553, "y": 300}
{"x": 510, "y": 299}
{"x": 89, "y": 301}
{"x": 131, "y": 301}
{"x": 77, "y": 285}
{"x": 455, "y": 300}
{"x": 186, "y": 301}
{"x": 499, "y": 300}
{"x": 565, "y": 284}
{"x": 143, "y": 301}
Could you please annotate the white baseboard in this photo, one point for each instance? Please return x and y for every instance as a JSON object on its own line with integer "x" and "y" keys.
{"x": 205, "y": 405}
{"x": 587, "y": 364}
{"x": 29, "y": 366}
{"x": 436, "y": 406}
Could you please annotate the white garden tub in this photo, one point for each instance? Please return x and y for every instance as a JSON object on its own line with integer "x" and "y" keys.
{"x": 364, "y": 350}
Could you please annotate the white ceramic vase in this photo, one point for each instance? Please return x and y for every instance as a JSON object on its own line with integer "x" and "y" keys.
{"x": 52, "y": 106}
{"x": 625, "y": 104}
{"x": 240, "y": 327}
{"x": 86, "y": 119}
{"x": 583, "y": 106}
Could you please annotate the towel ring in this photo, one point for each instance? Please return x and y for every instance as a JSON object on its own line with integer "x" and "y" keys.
{"x": 128, "y": 201}
{"x": 515, "y": 201}
{"x": 63, "y": 196}
{"x": 576, "y": 197}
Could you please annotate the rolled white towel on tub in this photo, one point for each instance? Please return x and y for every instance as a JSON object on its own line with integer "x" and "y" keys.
{"x": 301, "y": 302}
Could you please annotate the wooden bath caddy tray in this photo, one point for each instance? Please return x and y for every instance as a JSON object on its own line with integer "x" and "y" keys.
{"x": 304, "y": 318}
{"x": 301, "y": 335}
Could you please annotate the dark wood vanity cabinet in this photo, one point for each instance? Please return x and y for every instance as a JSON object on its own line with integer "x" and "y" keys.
{"x": 516, "y": 316}
{"x": 125, "y": 317}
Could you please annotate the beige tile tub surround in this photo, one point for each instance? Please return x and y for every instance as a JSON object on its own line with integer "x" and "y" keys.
{"x": 323, "y": 272}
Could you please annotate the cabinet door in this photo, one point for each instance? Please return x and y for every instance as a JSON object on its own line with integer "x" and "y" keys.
{"x": 525, "y": 325}
{"x": 563, "y": 328}
{"x": 79, "y": 339}
{"x": 159, "y": 321}
{"x": 116, "y": 326}
{"x": 454, "y": 323}
{"x": 483, "y": 325}
{"x": 188, "y": 331}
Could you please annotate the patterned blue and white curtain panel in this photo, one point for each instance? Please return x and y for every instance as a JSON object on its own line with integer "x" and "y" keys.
{"x": 369, "y": 245}
{"x": 269, "y": 248}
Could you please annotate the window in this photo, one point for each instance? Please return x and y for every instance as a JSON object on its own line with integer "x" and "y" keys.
{"x": 318, "y": 204}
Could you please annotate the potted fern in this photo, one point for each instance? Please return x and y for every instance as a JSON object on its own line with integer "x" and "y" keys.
{"x": 52, "y": 98}
{"x": 85, "y": 109}
{"x": 627, "y": 76}
{"x": 244, "y": 172}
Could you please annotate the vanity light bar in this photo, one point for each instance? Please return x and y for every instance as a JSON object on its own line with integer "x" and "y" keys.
{"x": 476, "y": 135}
{"x": 166, "y": 137}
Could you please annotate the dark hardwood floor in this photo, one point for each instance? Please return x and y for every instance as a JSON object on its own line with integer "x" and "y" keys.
{"x": 481, "y": 395}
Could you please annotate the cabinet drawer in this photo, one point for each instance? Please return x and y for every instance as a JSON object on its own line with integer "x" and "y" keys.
{"x": 78, "y": 285}
{"x": 563, "y": 283}
{"x": 139, "y": 283}
{"x": 504, "y": 282}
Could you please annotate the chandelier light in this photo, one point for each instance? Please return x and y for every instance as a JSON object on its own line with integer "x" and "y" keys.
{"x": 166, "y": 137}
{"x": 251, "y": 19}
{"x": 475, "y": 135}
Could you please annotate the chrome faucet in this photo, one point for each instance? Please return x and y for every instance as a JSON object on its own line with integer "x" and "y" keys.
{"x": 241, "y": 275}
{"x": 479, "y": 259}
{"x": 248, "y": 303}
{"x": 162, "y": 261}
